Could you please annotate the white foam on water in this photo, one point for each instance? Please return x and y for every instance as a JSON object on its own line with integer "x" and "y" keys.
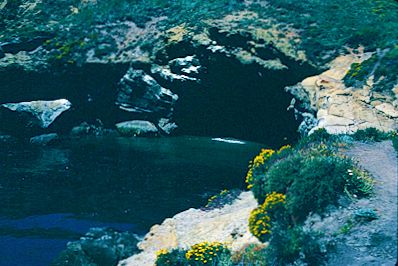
{"x": 232, "y": 141}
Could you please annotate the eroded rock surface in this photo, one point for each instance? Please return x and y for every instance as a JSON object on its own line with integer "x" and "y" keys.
{"x": 140, "y": 93}
{"x": 41, "y": 113}
{"x": 342, "y": 110}
{"x": 228, "y": 224}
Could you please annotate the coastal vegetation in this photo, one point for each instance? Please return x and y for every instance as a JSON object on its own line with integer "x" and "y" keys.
{"x": 290, "y": 184}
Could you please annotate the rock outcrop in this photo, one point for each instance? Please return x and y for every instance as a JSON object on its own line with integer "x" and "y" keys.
{"x": 342, "y": 110}
{"x": 140, "y": 93}
{"x": 44, "y": 139}
{"x": 40, "y": 113}
{"x": 136, "y": 128}
{"x": 228, "y": 224}
{"x": 31, "y": 117}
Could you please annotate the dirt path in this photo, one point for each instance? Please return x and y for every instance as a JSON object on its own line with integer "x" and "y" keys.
{"x": 374, "y": 242}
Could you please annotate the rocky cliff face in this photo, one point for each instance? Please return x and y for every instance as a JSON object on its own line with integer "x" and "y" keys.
{"x": 226, "y": 62}
{"x": 326, "y": 102}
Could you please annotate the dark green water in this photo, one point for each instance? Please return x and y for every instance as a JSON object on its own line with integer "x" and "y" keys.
{"x": 52, "y": 195}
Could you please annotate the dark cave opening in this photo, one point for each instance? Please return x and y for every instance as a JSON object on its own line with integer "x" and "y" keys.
{"x": 91, "y": 88}
{"x": 241, "y": 101}
{"x": 233, "y": 99}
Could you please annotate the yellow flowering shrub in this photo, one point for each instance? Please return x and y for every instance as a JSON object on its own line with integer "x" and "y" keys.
{"x": 284, "y": 149}
{"x": 161, "y": 252}
{"x": 206, "y": 253}
{"x": 260, "y": 218}
{"x": 257, "y": 162}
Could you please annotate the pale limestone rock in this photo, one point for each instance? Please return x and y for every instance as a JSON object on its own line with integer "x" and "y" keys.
{"x": 387, "y": 109}
{"x": 345, "y": 110}
{"x": 228, "y": 225}
{"x": 42, "y": 113}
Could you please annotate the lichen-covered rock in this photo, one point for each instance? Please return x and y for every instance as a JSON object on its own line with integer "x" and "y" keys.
{"x": 342, "y": 110}
{"x": 136, "y": 128}
{"x": 140, "y": 93}
{"x": 228, "y": 224}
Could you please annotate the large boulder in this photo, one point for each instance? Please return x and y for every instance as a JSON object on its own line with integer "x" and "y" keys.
{"x": 140, "y": 93}
{"x": 136, "y": 128}
{"x": 34, "y": 117}
{"x": 100, "y": 246}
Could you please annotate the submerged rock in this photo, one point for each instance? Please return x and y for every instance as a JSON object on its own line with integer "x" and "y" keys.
{"x": 136, "y": 128}
{"x": 140, "y": 93}
{"x": 98, "y": 247}
{"x": 44, "y": 139}
{"x": 39, "y": 113}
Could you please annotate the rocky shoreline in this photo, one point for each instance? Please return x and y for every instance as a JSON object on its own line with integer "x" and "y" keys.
{"x": 229, "y": 224}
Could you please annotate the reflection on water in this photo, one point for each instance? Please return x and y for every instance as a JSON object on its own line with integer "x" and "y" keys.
{"x": 52, "y": 195}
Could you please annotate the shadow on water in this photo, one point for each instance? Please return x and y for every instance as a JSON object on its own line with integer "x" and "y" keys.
{"x": 52, "y": 195}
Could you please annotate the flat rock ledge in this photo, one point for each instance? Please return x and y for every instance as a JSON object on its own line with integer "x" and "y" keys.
{"x": 228, "y": 224}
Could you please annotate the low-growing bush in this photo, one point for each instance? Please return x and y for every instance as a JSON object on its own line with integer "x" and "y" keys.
{"x": 394, "y": 138}
{"x": 223, "y": 198}
{"x": 292, "y": 245}
{"x": 253, "y": 254}
{"x": 175, "y": 257}
{"x": 370, "y": 134}
{"x": 100, "y": 246}
{"x": 205, "y": 253}
{"x": 311, "y": 178}
{"x": 261, "y": 218}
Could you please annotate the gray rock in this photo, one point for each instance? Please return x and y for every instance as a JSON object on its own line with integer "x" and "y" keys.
{"x": 167, "y": 126}
{"x": 100, "y": 246}
{"x": 39, "y": 113}
{"x": 140, "y": 93}
{"x": 164, "y": 72}
{"x": 44, "y": 139}
{"x": 308, "y": 123}
{"x": 188, "y": 65}
{"x": 136, "y": 128}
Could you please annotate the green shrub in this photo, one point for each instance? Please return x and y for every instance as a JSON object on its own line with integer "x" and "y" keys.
{"x": 207, "y": 253}
{"x": 223, "y": 198}
{"x": 365, "y": 215}
{"x": 262, "y": 218}
{"x": 311, "y": 178}
{"x": 383, "y": 65}
{"x": 319, "y": 182}
{"x": 175, "y": 257}
{"x": 358, "y": 183}
{"x": 394, "y": 138}
{"x": 253, "y": 254}
{"x": 99, "y": 247}
{"x": 290, "y": 245}
{"x": 370, "y": 134}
